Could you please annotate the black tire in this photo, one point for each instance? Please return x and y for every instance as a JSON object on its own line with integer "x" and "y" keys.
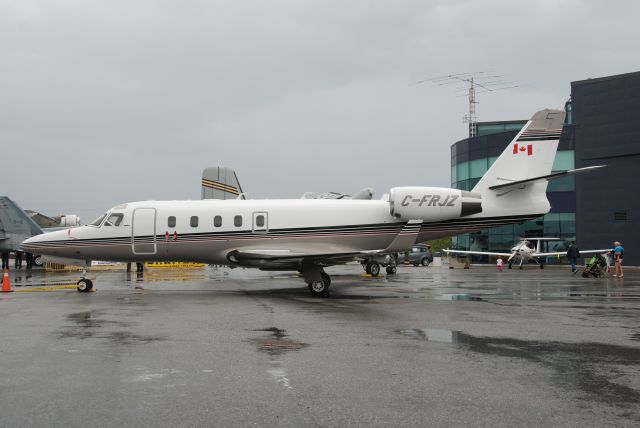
{"x": 37, "y": 260}
{"x": 425, "y": 262}
{"x": 391, "y": 270}
{"x": 85, "y": 285}
{"x": 320, "y": 288}
{"x": 374, "y": 269}
{"x": 367, "y": 268}
{"x": 541, "y": 266}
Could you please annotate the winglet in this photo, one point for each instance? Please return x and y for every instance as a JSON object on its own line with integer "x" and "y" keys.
{"x": 406, "y": 238}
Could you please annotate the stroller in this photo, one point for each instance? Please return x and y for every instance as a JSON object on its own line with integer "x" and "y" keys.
{"x": 596, "y": 266}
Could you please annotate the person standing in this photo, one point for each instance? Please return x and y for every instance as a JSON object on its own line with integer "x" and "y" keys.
{"x": 573, "y": 254}
{"x": 29, "y": 259}
{"x": 499, "y": 263}
{"x": 18, "y": 260}
{"x": 618, "y": 252}
{"x": 5, "y": 260}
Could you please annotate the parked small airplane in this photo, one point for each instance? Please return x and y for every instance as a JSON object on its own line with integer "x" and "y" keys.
{"x": 523, "y": 251}
{"x": 311, "y": 234}
{"x": 17, "y": 224}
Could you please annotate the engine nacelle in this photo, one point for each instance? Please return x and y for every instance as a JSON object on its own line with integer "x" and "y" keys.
{"x": 432, "y": 203}
{"x": 69, "y": 220}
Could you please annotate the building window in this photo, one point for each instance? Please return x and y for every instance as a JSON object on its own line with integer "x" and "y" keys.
{"x": 237, "y": 221}
{"x": 194, "y": 221}
{"x": 563, "y": 161}
{"x": 217, "y": 221}
{"x": 171, "y": 221}
{"x": 620, "y": 216}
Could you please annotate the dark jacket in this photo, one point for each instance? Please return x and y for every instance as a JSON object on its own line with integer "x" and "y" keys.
{"x": 573, "y": 252}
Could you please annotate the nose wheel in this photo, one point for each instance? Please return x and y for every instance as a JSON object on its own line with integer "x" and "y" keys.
{"x": 85, "y": 285}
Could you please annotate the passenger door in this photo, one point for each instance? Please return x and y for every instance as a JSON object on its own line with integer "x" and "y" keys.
{"x": 143, "y": 231}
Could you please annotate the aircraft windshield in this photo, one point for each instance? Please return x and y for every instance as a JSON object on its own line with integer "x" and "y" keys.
{"x": 114, "y": 220}
{"x": 98, "y": 221}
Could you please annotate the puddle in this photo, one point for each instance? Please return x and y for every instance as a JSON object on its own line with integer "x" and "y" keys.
{"x": 596, "y": 371}
{"x": 461, "y": 297}
{"x": 432, "y": 335}
{"x": 88, "y": 325}
{"x": 277, "y": 344}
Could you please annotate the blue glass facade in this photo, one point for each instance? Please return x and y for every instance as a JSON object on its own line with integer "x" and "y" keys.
{"x": 470, "y": 159}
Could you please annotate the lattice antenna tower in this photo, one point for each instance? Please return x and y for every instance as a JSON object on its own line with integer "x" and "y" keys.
{"x": 487, "y": 81}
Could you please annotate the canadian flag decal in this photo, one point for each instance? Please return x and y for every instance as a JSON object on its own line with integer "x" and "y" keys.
{"x": 521, "y": 149}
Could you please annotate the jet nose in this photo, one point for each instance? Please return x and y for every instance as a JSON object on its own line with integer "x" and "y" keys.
{"x": 41, "y": 244}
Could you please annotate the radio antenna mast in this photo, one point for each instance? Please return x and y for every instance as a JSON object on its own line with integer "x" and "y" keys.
{"x": 487, "y": 81}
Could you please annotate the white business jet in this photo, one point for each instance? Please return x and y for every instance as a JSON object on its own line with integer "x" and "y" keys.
{"x": 310, "y": 234}
{"x": 524, "y": 250}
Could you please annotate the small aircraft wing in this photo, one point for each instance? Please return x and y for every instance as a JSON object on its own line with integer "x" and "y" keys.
{"x": 482, "y": 253}
{"x": 564, "y": 253}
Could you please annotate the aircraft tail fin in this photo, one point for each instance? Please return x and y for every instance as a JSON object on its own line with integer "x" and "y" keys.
{"x": 14, "y": 221}
{"x": 220, "y": 182}
{"x": 530, "y": 154}
{"x": 513, "y": 183}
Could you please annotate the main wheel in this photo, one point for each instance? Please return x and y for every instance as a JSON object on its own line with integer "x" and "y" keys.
{"x": 37, "y": 260}
{"x": 85, "y": 285}
{"x": 367, "y": 268}
{"x": 391, "y": 270}
{"x": 320, "y": 288}
{"x": 425, "y": 262}
{"x": 374, "y": 269}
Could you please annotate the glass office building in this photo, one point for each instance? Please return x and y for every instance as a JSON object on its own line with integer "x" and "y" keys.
{"x": 470, "y": 159}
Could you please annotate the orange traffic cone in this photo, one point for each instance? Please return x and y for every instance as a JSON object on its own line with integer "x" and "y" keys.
{"x": 6, "y": 284}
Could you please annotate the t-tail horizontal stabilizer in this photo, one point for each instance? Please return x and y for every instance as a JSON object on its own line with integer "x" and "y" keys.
{"x": 521, "y": 183}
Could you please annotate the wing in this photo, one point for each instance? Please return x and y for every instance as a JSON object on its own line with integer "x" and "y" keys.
{"x": 319, "y": 253}
{"x": 482, "y": 253}
{"x": 564, "y": 253}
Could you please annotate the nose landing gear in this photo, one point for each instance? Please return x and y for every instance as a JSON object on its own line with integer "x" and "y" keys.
{"x": 84, "y": 284}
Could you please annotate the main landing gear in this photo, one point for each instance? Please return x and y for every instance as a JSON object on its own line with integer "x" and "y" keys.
{"x": 320, "y": 286}
{"x": 372, "y": 267}
{"x": 85, "y": 284}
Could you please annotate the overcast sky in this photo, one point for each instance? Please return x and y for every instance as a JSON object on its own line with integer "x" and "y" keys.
{"x": 103, "y": 102}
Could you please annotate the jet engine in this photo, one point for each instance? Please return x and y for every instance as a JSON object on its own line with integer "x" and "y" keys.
{"x": 69, "y": 220}
{"x": 432, "y": 203}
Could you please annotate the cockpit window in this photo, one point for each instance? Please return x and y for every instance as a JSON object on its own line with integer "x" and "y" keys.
{"x": 98, "y": 221}
{"x": 114, "y": 220}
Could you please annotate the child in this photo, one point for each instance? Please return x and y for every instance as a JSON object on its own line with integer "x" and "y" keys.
{"x": 499, "y": 264}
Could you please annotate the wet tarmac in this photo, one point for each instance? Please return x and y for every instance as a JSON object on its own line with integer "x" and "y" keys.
{"x": 219, "y": 347}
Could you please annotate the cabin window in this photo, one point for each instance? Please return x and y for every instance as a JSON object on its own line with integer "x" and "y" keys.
{"x": 260, "y": 221}
{"x": 194, "y": 221}
{"x": 237, "y": 221}
{"x": 114, "y": 220}
{"x": 217, "y": 221}
{"x": 171, "y": 221}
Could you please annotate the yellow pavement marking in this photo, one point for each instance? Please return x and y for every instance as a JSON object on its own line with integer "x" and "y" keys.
{"x": 45, "y": 288}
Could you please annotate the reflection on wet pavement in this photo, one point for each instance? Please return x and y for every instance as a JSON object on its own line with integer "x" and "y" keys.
{"x": 592, "y": 368}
